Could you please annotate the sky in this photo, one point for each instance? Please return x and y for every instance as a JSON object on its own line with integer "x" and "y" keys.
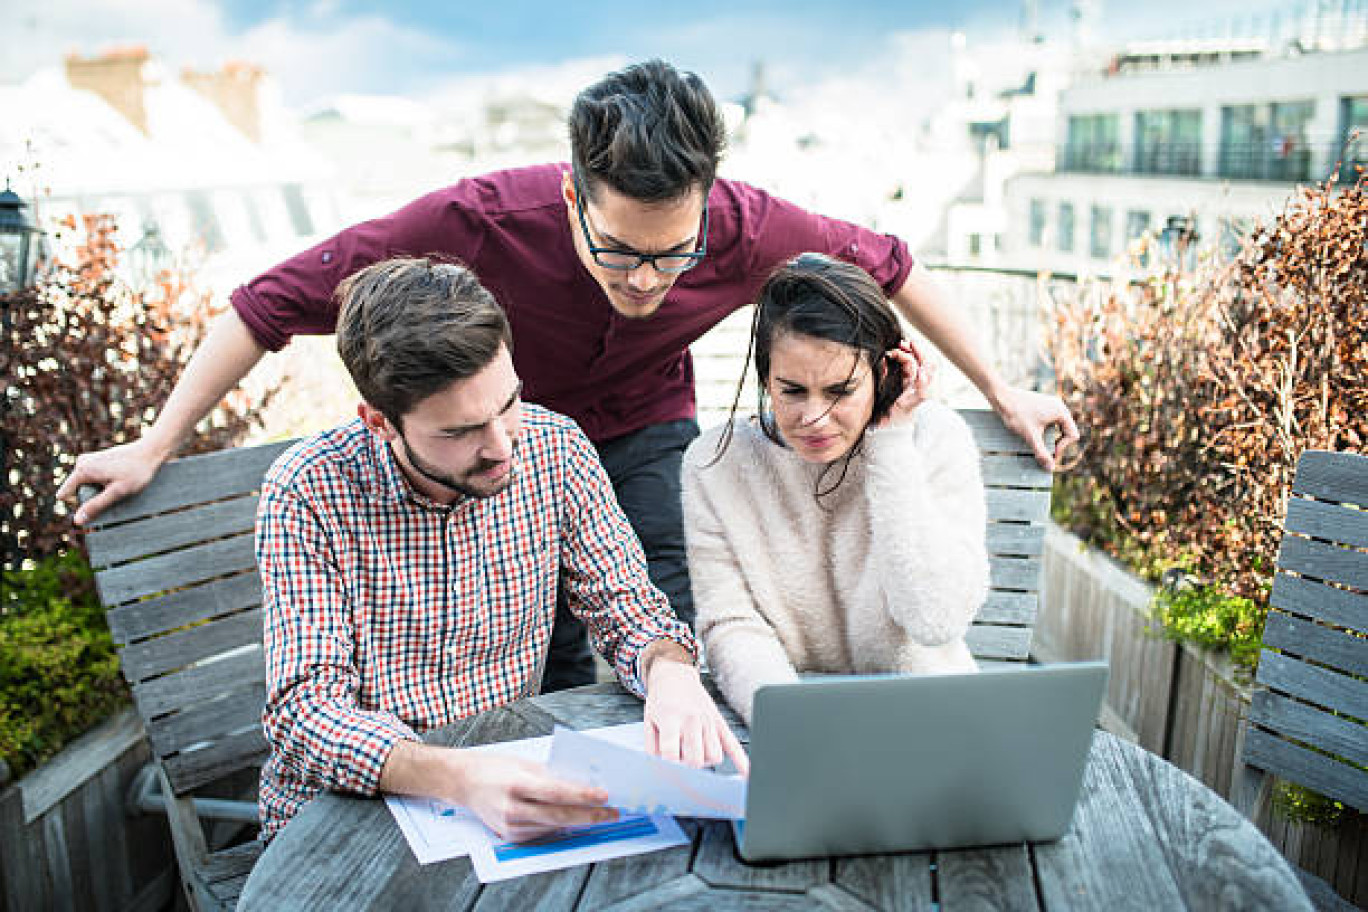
{"x": 319, "y": 48}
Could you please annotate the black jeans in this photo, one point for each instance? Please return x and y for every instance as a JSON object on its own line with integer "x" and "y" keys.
{"x": 644, "y": 468}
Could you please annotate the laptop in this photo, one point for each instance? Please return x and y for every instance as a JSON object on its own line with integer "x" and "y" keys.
{"x": 872, "y": 764}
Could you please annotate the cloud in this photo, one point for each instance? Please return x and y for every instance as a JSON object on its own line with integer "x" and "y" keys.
{"x": 316, "y": 54}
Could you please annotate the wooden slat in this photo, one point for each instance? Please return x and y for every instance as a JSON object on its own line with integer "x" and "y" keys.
{"x": 1009, "y": 608}
{"x": 1333, "y": 522}
{"x": 171, "y": 530}
{"x": 990, "y": 642}
{"x": 196, "y": 685}
{"x": 1324, "y": 561}
{"x": 1014, "y": 573}
{"x": 227, "y": 755}
{"x": 716, "y": 864}
{"x": 185, "y": 647}
{"x": 900, "y": 881}
{"x": 1324, "y": 645}
{"x": 1316, "y": 771}
{"x": 150, "y": 617}
{"x": 1016, "y": 538}
{"x": 171, "y": 571}
{"x": 1011, "y": 504}
{"x": 197, "y": 480}
{"x": 1319, "y": 601}
{"x": 207, "y": 721}
{"x": 1336, "y": 734}
{"x": 1334, "y": 691}
{"x": 988, "y": 878}
{"x": 991, "y": 434}
{"x": 1014, "y": 470}
{"x": 1341, "y": 477}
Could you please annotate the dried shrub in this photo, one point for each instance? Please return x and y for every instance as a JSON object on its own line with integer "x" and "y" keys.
{"x": 1198, "y": 388}
{"x": 86, "y": 363}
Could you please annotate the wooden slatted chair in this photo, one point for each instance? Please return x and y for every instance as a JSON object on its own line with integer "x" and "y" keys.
{"x": 1018, "y": 497}
{"x": 175, "y": 569}
{"x": 1306, "y": 719}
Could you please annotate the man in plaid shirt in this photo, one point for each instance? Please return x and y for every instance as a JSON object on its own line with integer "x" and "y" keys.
{"x": 410, "y": 560}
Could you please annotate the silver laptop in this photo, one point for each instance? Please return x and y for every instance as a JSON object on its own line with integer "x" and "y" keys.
{"x": 860, "y": 765}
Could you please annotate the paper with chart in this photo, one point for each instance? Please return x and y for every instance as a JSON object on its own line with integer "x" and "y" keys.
{"x": 637, "y": 782}
{"x": 436, "y": 830}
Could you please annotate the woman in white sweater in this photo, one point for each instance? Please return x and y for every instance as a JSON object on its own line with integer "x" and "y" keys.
{"x": 841, "y": 530}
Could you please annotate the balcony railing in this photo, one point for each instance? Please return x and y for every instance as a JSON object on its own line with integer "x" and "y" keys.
{"x": 1255, "y": 161}
{"x": 1091, "y": 158}
{"x": 1183, "y": 159}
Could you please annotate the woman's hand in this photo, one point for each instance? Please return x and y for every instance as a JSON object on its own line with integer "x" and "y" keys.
{"x": 917, "y": 373}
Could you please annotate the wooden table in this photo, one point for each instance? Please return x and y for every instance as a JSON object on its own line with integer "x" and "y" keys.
{"x": 1146, "y": 836}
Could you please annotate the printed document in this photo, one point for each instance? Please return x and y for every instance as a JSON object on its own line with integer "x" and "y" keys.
{"x": 436, "y": 830}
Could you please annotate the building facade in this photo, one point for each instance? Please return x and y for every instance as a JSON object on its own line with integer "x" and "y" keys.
{"x": 1201, "y": 139}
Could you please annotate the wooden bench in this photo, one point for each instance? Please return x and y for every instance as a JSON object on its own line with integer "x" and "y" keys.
{"x": 1306, "y": 715}
{"x": 1018, "y": 500}
{"x": 176, "y": 570}
{"x": 1305, "y": 721}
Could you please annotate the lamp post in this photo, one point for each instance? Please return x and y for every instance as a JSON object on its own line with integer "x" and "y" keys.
{"x": 17, "y": 232}
{"x": 149, "y": 257}
{"x": 16, "y": 265}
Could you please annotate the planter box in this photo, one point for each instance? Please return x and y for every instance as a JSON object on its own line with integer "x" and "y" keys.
{"x": 66, "y": 839}
{"x": 1177, "y": 701}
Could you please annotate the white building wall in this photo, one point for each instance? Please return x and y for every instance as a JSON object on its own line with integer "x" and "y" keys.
{"x": 1324, "y": 78}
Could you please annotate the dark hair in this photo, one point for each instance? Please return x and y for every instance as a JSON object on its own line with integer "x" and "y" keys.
{"x": 818, "y": 296}
{"x": 649, "y": 132}
{"x": 410, "y": 327}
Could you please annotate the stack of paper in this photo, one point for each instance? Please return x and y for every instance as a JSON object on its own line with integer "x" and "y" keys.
{"x": 647, "y": 789}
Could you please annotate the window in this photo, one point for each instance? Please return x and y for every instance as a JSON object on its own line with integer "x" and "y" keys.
{"x": 1036, "y": 226}
{"x": 1168, "y": 142}
{"x": 1093, "y": 144}
{"x": 1100, "y": 237}
{"x": 975, "y": 245}
{"x": 1066, "y": 227}
{"x": 1354, "y": 116}
{"x": 1137, "y": 223}
{"x": 1266, "y": 142}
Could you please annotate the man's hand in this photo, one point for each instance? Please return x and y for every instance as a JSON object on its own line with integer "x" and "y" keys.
{"x": 516, "y": 798}
{"x": 521, "y": 800}
{"x": 682, "y": 722}
{"x": 121, "y": 470}
{"x": 1029, "y": 414}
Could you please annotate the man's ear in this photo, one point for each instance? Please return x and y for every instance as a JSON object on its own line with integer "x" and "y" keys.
{"x": 568, "y": 189}
{"x": 376, "y": 421}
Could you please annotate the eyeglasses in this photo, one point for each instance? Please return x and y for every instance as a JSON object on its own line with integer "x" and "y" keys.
{"x": 627, "y": 260}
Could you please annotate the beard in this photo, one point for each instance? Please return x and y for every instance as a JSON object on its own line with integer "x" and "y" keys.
{"x": 464, "y": 483}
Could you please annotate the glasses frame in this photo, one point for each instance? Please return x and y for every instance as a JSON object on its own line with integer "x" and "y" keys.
{"x": 640, "y": 258}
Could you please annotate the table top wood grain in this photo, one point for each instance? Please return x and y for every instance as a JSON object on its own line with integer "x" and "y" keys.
{"x": 1145, "y": 836}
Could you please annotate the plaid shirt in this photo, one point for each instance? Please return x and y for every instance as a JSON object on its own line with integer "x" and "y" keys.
{"x": 388, "y": 614}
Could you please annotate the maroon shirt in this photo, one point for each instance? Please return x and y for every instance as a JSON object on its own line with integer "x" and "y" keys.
{"x": 574, "y": 353}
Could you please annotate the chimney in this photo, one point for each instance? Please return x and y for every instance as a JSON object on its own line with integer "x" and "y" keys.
{"x": 235, "y": 90}
{"x": 117, "y": 76}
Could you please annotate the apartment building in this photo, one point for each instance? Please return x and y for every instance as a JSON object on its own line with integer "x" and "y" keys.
{"x": 1195, "y": 137}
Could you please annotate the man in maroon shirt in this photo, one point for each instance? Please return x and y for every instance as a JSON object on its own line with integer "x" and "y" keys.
{"x": 608, "y": 269}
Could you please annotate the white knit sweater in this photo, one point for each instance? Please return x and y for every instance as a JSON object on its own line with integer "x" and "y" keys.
{"x": 886, "y": 574}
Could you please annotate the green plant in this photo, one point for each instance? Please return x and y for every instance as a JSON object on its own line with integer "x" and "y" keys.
{"x": 1301, "y": 805}
{"x": 1212, "y": 617}
{"x": 59, "y": 673}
